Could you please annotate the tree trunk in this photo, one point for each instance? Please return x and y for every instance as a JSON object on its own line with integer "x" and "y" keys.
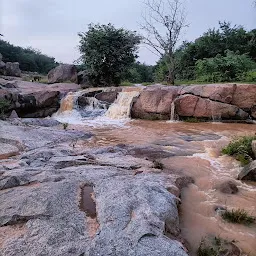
{"x": 170, "y": 78}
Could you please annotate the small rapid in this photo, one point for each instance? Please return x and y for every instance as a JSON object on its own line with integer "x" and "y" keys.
{"x": 83, "y": 108}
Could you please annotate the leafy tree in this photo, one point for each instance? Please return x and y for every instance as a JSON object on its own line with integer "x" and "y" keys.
{"x": 107, "y": 53}
{"x": 224, "y": 68}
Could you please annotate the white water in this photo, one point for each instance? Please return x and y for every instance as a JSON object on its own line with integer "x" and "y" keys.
{"x": 121, "y": 108}
{"x": 96, "y": 113}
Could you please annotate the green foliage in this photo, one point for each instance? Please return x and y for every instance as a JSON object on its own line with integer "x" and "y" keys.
{"x": 161, "y": 71}
{"x": 215, "y": 246}
{"x": 214, "y": 42}
{"x": 29, "y": 59}
{"x": 139, "y": 73}
{"x": 4, "y": 106}
{"x": 107, "y": 53}
{"x": 238, "y": 216}
{"x": 65, "y": 126}
{"x": 241, "y": 149}
{"x": 249, "y": 76}
{"x": 126, "y": 83}
{"x": 224, "y": 68}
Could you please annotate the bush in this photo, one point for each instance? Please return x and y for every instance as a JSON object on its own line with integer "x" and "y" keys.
{"x": 249, "y": 76}
{"x": 224, "y": 68}
{"x": 239, "y": 216}
{"x": 4, "y": 106}
{"x": 241, "y": 149}
{"x": 158, "y": 165}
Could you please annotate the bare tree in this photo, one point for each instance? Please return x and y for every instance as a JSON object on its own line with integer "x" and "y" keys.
{"x": 163, "y": 21}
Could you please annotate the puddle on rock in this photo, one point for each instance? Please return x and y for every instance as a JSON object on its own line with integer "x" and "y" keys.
{"x": 87, "y": 203}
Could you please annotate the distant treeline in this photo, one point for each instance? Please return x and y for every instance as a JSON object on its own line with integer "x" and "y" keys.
{"x": 29, "y": 59}
{"x": 224, "y": 54}
{"x": 219, "y": 55}
{"x": 227, "y": 53}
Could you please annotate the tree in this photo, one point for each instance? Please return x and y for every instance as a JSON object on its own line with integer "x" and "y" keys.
{"x": 107, "y": 53}
{"x": 163, "y": 22}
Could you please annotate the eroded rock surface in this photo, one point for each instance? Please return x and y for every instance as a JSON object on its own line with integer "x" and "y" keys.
{"x": 34, "y": 99}
{"x": 40, "y": 191}
{"x": 210, "y": 102}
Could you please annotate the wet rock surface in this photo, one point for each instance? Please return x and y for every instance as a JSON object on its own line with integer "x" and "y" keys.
{"x": 40, "y": 197}
{"x": 33, "y": 100}
{"x": 248, "y": 172}
{"x": 210, "y": 102}
{"x": 228, "y": 187}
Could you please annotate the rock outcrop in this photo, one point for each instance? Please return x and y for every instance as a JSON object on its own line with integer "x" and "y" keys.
{"x": 42, "y": 191}
{"x": 12, "y": 69}
{"x": 63, "y": 73}
{"x": 248, "y": 172}
{"x": 33, "y": 99}
{"x": 155, "y": 103}
{"x": 209, "y": 102}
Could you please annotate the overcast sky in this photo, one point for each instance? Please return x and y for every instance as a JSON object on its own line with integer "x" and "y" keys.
{"x": 52, "y": 25}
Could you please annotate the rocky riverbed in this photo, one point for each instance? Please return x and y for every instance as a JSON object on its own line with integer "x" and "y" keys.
{"x": 89, "y": 181}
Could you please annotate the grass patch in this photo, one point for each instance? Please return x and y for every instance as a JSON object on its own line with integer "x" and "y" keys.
{"x": 65, "y": 126}
{"x": 147, "y": 83}
{"x": 192, "y": 120}
{"x": 158, "y": 165}
{"x": 241, "y": 149}
{"x": 238, "y": 216}
{"x": 217, "y": 246}
{"x": 4, "y": 106}
{"x": 126, "y": 83}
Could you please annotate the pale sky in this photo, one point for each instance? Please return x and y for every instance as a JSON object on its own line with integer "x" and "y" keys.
{"x": 52, "y": 25}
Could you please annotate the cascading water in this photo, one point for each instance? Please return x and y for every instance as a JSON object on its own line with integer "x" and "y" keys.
{"x": 173, "y": 114}
{"x": 121, "y": 108}
{"x": 79, "y": 109}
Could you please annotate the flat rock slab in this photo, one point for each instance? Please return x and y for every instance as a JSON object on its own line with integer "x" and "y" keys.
{"x": 7, "y": 150}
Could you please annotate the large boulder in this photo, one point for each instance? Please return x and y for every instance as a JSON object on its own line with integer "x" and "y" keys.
{"x": 228, "y": 187}
{"x": 12, "y": 69}
{"x": 194, "y": 106}
{"x": 63, "y": 73}
{"x": 245, "y": 96}
{"x": 154, "y": 103}
{"x": 248, "y": 172}
{"x": 37, "y": 104}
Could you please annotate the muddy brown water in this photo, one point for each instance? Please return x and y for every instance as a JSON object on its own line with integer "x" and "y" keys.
{"x": 87, "y": 203}
{"x": 192, "y": 150}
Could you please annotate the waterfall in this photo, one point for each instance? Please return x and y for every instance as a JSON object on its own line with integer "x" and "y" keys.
{"x": 121, "y": 108}
{"x": 83, "y": 108}
{"x": 173, "y": 116}
{"x": 67, "y": 103}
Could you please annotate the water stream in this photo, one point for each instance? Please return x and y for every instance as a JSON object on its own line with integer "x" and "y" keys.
{"x": 195, "y": 151}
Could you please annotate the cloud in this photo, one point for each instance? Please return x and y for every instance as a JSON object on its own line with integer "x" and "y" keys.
{"x": 52, "y": 25}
